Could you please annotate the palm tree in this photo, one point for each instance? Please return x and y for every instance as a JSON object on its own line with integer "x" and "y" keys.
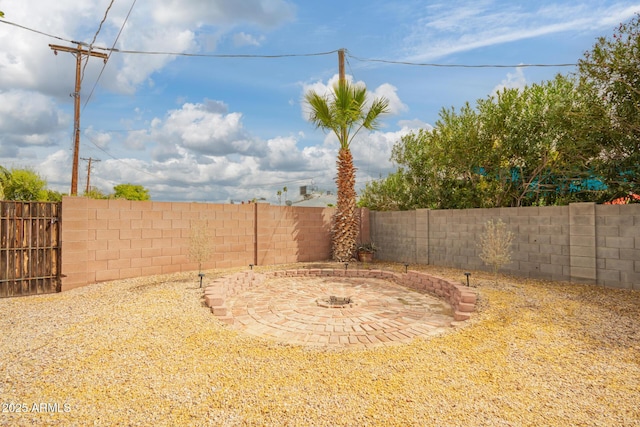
{"x": 345, "y": 112}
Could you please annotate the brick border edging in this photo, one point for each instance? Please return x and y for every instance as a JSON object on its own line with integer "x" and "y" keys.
{"x": 462, "y": 299}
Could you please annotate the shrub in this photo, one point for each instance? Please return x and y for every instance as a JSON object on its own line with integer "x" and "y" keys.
{"x": 495, "y": 245}
{"x": 199, "y": 243}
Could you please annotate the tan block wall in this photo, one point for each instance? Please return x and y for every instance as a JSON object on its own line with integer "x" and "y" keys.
{"x": 287, "y": 234}
{"x": 118, "y": 239}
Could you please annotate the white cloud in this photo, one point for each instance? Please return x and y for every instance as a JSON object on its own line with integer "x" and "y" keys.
{"x": 443, "y": 29}
{"x": 264, "y": 13}
{"x": 204, "y": 128}
{"x": 99, "y": 139}
{"x": 515, "y": 80}
{"x": 57, "y": 170}
{"x": 244, "y": 39}
{"x": 30, "y": 119}
{"x": 27, "y": 62}
{"x": 389, "y": 92}
{"x": 132, "y": 70}
{"x": 372, "y": 154}
{"x": 414, "y": 124}
{"x": 284, "y": 155}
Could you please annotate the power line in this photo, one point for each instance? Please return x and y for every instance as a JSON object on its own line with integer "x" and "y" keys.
{"x": 200, "y": 55}
{"x": 95, "y": 36}
{"x": 121, "y": 160}
{"x": 36, "y": 31}
{"x": 301, "y": 55}
{"x": 427, "y": 64}
{"x": 276, "y": 184}
{"x": 109, "y": 55}
{"x": 223, "y": 55}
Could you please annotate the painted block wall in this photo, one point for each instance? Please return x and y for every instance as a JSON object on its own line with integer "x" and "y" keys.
{"x": 118, "y": 239}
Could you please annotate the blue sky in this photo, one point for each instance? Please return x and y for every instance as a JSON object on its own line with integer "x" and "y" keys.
{"x": 220, "y": 129}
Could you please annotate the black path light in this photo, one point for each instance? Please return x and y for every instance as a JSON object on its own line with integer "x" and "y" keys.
{"x": 346, "y": 266}
{"x": 200, "y": 275}
{"x": 251, "y": 266}
{"x": 467, "y": 274}
{"x": 406, "y": 267}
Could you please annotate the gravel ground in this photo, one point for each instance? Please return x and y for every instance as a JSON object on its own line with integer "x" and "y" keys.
{"x": 147, "y": 352}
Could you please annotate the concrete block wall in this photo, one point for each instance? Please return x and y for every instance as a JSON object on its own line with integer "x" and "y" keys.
{"x": 398, "y": 242}
{"x": 583, "y": 242}
{"x": 617, "y": 236}
{"x": 117, "y": 239}
{"x": 582, "y": 238}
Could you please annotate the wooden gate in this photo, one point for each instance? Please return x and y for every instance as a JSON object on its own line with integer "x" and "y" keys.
{"x": 30, "y": 248}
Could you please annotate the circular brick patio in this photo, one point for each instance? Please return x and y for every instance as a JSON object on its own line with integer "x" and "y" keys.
{"x": 291, "y": 307}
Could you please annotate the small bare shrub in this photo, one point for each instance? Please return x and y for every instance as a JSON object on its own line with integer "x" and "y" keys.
{"x": 495, "y": 245}
{"x": 199, "y": 243}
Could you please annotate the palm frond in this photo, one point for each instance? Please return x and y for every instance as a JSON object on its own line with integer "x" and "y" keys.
{"x": 380, "y": 106}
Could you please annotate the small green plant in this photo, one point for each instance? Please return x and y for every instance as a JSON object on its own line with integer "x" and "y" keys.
{"x": 367, "y": 247}
{"x": 495, "y": 245}
{"x": 199, "y": 243}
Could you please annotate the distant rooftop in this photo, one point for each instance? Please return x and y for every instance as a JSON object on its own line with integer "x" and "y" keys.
{"x": 311, "y": 196}
{"x": 316, "y": 200}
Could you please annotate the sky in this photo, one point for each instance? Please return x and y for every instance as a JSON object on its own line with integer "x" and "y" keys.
{"x": 202, "y": 100}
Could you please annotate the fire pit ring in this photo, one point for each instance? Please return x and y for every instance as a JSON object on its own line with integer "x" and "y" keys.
{"x": 333, "y": 301}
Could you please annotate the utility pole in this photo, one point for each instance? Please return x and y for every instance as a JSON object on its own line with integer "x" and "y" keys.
{"x": 341, "y": 66}
{"x": 78, "y": 52}
{"x": 90, "y": 159}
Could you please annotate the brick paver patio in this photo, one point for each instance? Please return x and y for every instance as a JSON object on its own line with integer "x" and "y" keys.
{"x": 296, "y": 310}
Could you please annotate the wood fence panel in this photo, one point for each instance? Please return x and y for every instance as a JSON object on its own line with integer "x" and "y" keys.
{"x": 30, "y": 248}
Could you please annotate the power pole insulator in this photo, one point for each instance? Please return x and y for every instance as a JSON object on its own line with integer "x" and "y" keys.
{"x": 78, "y": 52}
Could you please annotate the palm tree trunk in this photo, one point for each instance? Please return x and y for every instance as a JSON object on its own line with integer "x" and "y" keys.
{"x": 345, "y": 222}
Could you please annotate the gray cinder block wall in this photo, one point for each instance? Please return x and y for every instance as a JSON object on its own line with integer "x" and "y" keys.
{"x": 582, "y": 242}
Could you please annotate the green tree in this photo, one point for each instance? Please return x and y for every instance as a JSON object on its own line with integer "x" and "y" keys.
{"x": 131, "y": 192}
{"x": 611, "y": 73}
{"x": 390, "y": 194}
{"x": 54, "y": 196}
{"x": 542, "y": 143}
{"x": 95, "y": 193}
{"x": 5, "y": 175}
{"x": 25, "y": 185}
{"x": 345, "y": 111}
{"x": 532, "y": 146}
